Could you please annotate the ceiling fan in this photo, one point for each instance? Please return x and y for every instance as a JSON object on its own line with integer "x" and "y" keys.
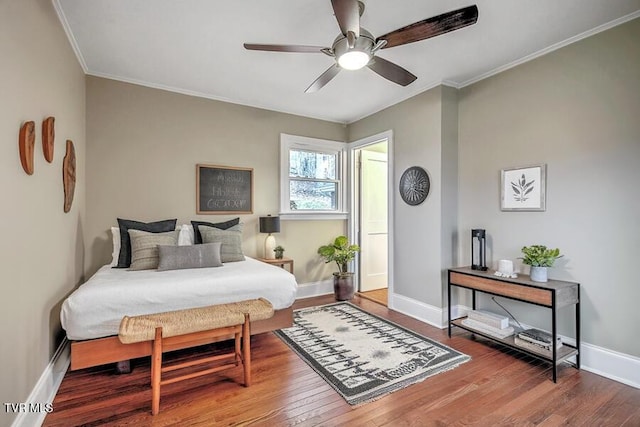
{"x": 356, "y": 47}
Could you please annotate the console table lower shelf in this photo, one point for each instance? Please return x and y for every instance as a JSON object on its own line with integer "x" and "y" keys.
{"x": 562, "y": 354}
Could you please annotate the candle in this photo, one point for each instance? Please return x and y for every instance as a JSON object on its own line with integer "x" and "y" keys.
{"x": 505, "y": 266}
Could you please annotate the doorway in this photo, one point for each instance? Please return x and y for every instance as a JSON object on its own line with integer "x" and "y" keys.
{"x": 370, "y": 216}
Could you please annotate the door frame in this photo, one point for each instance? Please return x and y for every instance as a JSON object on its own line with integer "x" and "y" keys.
{"x": 353, "y": 223}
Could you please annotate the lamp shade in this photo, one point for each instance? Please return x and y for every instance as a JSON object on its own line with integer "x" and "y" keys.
{"x": 269, "y": 224}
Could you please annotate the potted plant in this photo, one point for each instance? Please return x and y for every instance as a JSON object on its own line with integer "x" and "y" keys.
{"x": 539, "y": 257}
{"x": 342, "y": 253}
{"x": 279, "y": 252}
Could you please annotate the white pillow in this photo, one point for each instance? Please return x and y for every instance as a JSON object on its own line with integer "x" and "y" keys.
{"x": 186, "y": 237}
{"x": 115, "y": 233}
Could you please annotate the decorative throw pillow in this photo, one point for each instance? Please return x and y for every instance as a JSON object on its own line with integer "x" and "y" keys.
{"x": 124, "y": 258}
{"x": 115, "y": 238}
{"x": 197, "y": 235}
{"x": 231, "y": 249}
{"x": 186, "y": 235}
{"x": 144, "y": 247}
{"x": 194, "y": 256}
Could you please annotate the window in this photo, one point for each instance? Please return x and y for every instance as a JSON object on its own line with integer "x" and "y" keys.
{"x": 312, "y": 176}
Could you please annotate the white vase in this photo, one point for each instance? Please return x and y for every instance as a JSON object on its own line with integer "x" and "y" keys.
{"x": 539, "y": 274}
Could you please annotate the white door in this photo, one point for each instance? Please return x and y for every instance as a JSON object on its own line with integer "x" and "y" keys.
{"x": 373, "y": 223}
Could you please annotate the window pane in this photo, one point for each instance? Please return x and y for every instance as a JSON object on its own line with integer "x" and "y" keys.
{"x": 306, "y": 164}
{"x": 313, "y": 195}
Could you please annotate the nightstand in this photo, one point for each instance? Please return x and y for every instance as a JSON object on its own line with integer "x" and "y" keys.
{"x": 281, "y": 262}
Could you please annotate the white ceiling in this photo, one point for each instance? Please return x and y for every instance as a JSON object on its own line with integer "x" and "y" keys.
{"x": 195, "y": 46}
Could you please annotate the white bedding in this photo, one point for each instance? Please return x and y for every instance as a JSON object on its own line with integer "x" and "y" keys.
{"x": 95, "y": 309}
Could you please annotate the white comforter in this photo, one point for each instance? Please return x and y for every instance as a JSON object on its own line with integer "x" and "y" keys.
{"x": 96, "y": 308}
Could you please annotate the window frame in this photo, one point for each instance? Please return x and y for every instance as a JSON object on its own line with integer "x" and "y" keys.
{"x": 303, "y": 143}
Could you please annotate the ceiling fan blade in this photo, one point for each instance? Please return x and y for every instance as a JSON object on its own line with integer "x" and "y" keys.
{"x": 324, "y": 79}
{"x": 391, "y": 71}
{"x": 432, "y": 27}
{"x": 284, "y": 48}
{"x": 348, "y": 15}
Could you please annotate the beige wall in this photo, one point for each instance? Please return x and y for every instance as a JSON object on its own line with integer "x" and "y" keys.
{"x": 417, "y": 141}
{"x": 577, "y": 110}
{"x": 42, "y": 247}
{"x": 142, "y": 148}
{"x": 449, "y": 186}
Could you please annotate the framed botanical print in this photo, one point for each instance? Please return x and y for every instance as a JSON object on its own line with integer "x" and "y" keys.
{"x": 523, "y": 188}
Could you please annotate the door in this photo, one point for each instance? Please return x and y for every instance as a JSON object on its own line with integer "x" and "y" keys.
{"x": 373, "y": 220}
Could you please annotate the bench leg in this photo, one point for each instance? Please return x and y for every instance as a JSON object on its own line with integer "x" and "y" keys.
{"x": 156, "y": 371}
{"x": 238, "y": 349}
{"x": 246, "y": 350}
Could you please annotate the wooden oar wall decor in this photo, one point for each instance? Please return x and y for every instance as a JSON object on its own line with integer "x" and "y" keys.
{"x": 69, "y": 175}
{"x": 26, "y": 145}
{"x": 26, "y": 142}
{"x": 48, "y": 136}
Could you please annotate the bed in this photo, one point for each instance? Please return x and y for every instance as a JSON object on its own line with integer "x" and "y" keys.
{"x": 91, "y": 315}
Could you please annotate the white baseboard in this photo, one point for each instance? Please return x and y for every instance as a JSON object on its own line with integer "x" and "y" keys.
{"x": 46, "y": 388}
{"x": 607, "y": 363}
{"x": 417, "y": 309}
{"x": 314, "y": 289}
{"x": 611, "y": 364}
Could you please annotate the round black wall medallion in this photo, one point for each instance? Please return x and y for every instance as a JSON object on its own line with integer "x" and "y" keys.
{"x": 414, "y": 185}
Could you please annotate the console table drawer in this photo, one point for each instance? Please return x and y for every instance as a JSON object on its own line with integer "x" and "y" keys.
{"x": 511, "y": 290}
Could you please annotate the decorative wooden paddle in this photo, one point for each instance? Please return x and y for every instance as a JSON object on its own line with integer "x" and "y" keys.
{"x": 48, "y": 136}
{"x": 26, "y": 142}
{"x": 69, "y": 175}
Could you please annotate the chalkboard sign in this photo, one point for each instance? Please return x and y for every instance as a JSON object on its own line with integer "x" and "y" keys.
{"x": 224, "y": 190}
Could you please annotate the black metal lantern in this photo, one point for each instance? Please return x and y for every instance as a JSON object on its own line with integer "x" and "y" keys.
{"x": 478, "y": 249}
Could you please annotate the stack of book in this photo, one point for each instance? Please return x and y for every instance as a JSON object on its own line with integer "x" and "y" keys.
{"x": 489, "y": 323}
{"x": 537, "y": 341}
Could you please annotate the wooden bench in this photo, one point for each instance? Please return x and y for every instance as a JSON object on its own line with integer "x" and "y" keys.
{"x": 172, "y": 329}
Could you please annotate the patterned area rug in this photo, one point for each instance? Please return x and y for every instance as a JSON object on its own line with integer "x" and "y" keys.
{"x": 364, "y": 357}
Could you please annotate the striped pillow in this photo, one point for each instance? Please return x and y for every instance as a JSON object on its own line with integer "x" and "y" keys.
{"x": 144, "y": 247}
{"x": 231, "y": 239}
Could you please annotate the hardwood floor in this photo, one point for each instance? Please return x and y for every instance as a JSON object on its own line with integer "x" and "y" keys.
{"x": 497, "y": 387}
{"x": 381, "y": 296}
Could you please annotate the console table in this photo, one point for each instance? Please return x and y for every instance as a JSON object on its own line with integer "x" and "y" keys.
{"x": 554, "y": 294}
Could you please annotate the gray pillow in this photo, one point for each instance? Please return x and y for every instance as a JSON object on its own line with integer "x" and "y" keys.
{"x": 192, "y": 256}
{"x": 124, "y": 257}
{"x": 144, "y": 247}
{"x": 197, "y": 237}
{"x": 231, "y": 249}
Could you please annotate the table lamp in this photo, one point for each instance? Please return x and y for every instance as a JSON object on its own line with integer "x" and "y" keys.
{"x": 269, "y": 224}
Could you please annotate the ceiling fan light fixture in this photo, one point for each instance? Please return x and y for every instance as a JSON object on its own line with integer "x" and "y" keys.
{"x": 354, "y": 60}
{"x": 356, "y": 56}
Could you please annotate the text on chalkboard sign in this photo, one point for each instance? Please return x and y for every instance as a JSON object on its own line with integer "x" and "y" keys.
{"x": 224, "y": 190}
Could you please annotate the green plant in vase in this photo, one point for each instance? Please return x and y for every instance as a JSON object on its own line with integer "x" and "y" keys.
{"x": 539, "y": 257}
{"x": 279, "y": 252}
{"x": 342, "y": 253}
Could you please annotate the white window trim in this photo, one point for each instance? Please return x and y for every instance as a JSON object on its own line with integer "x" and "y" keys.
{"x": 288, "y": 142}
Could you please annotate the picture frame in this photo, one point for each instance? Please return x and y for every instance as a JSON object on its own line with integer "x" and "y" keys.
{"x": 223, "y": 190}
{"x": 523, "y": 189}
